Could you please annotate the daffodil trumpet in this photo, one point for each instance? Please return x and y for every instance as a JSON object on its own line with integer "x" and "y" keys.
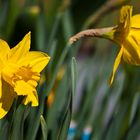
{"x": 19, "y": 73}
{"x": 126, "y": 34}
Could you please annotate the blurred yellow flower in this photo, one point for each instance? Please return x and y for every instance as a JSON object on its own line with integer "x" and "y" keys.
{"x": 127, "y": 35}
{"x": 34, "y": 10}
{"x": 52, "y": 94}
{"x": 19, "y": 73}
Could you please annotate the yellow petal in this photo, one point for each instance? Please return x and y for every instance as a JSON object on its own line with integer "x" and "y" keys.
{"x": 124, "y": 24}
{"x": 135, "y": 21}
{"x": 23, "y": 88}
{"x": 116, "y": 64}
{"x": 32, "y": 83}
{"x": 131, "y": 51}
{"x": 0, "y": 86}
{"x": 21, "y": 49}
{"x": 4, "y": 49}
{"x": 9, "y": 72}
{"x": 36, "y": 60}
{"x": 125, "y": 16}
{"x": 135, "y": 35}
{"x": 6, "y": 99}
{"x": 33, "y": 99}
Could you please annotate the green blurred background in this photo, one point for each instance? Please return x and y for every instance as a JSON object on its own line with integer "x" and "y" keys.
{"x": 76, "y": 102}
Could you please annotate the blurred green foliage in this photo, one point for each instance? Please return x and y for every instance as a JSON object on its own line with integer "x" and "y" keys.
{"x": 83, "y": 106}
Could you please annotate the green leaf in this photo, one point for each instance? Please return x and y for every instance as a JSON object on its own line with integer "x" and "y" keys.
{"x": 134, "y": 107}
{"x": 66, "y": 120}
{"x": 54, "y": 30}
{"x": 12, "y": 15}
{"x": 34, "y": 117}
{"x": 4, "y": 131}
{"x": 119, "y": 124}
{"x": 52, "y": 53}
{"x": 54, "y": 113}
{"x": 133, "y": 133}
{"x": 41, "y": 32}
{"x": 58, "y": 65}
{"x": 73, "y": 74}
{"x": 44, "y": 127}
{"x": 67, "y": 24}
{"x": 18, "y": 122}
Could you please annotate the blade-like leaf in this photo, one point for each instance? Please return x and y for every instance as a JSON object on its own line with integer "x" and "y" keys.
{"x": 18, "y": 123}
{"x": 73, "y": 74}
{"x": 44, "y": 127}
{"x": 66, "y": 120}
{"x": 134, "y": 107}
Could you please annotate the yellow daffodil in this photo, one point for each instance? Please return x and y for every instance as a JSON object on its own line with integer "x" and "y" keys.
{"x": 19, "y": 73}
{"x": 126, "y": 34}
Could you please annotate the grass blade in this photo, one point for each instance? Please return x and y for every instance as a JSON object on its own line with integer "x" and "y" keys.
{"x": 44, "y": 127}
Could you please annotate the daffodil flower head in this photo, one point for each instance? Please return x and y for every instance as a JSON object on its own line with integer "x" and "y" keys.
{"x": 19, "y": 73}
{"x": 127, "y": 35}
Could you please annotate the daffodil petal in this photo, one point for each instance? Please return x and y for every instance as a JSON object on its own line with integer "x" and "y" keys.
{"x": 6, "y": 99}
{"x": 4, "y": 49}
{"x": 131, "y": 53}
{"x": 135, "y": 36}
{"x": 8, "y": 72}
{"x": 124, "y": 26}
{"x": 116, "y": 64}
{"x": 23, "y": 88}
{"x": 32, "y": 98}
{"x": 135, "y": 21}
{"x": 21, "y": 49}
{"x": 32, "y": 83}
{"x": 36, "y": 60}
{"x": 125, "y": 17}
{"x": 0, "y": 86}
